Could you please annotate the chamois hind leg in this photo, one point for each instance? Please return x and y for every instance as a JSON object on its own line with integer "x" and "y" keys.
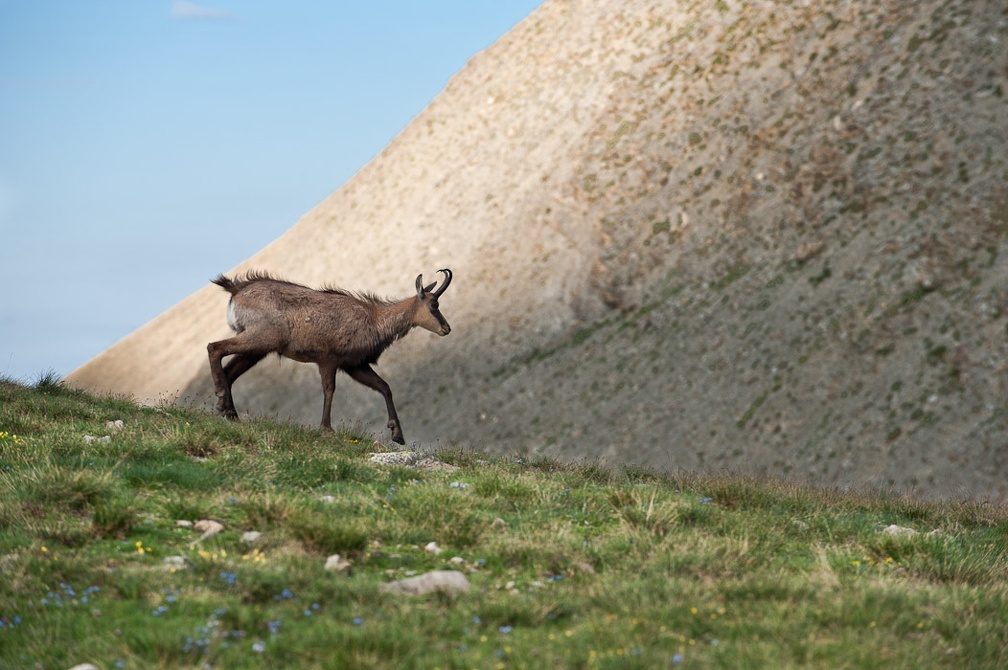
{"x": 245, "y": 356}
{"x": 240, "y": 364}
{"x": 235, "y": 368}
{"x": 368, "y": 377}
{"x": 328, "y": 374}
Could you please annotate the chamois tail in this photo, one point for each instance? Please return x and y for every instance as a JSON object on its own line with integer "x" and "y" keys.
{"x": 226, "y": 283}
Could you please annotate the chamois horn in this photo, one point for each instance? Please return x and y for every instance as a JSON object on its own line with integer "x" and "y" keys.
{"x": 448, "y": 278}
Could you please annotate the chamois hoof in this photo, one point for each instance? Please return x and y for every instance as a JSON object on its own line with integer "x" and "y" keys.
{"x": 227, "y": 411}
{"x": 397, "y": 435}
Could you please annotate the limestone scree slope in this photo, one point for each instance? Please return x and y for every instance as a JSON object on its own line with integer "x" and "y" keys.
{"x": 755, "y": 236}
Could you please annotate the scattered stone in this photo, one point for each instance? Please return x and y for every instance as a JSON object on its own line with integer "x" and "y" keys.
{"x": 115, "y": 425}
{"x": 898, "y": 531}
{"x": 209, "y": 527}
{"x": 337, "y": 563}
{"x": 84, "y": 666}
{"x": 799, "y": 525}
{"x": 251, "y": 536}
{"x": 446, "y": 581}
{"x": 104, "y": 439}
{"x": 432, "y": 548}
{"x": 499, "y": 523}
{"x": 174, "y": 563}
{"x": 182, "y": 523}
{"x": 808, "y": 251}
{"x": 457, "y": 560}
{"x": 328, "y": 499}
{"x": 410, "y": 459}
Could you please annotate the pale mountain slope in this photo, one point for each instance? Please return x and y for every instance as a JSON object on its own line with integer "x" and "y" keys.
{"x": 688, "y": 234}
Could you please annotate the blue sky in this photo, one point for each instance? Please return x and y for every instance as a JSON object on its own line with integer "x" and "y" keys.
{"x": 146, "y": 145}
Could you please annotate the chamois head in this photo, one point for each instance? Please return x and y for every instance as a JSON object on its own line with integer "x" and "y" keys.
{"x": 427, "y": 314}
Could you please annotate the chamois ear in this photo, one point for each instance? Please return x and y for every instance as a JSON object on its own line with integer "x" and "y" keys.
{"x": 420, "y": 288}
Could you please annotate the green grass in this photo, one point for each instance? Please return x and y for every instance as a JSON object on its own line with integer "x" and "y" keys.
{"x": 571, "y": 565}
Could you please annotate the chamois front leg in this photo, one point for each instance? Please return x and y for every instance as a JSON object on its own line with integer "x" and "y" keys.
{"x": 368, "y": 377}
{"x": 328, "y": 374}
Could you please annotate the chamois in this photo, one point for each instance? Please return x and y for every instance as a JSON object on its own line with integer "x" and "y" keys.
{"x": 333, "y": 328}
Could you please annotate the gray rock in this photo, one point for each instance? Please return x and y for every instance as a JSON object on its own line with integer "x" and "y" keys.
{"x": 410, "y": 459}
{"x": 209, "y": 527}
{"x": 173, "y": 563}
{"x": 337, "y": 563}
{"x": 898, "y": 531}
{"x": 447, "y": 581}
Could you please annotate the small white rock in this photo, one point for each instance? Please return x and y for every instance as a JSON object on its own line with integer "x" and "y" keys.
{"x": 251, "y": 536}
{"x": 209, "y": 527}
{"x": 182, "y": 523}
{"x": 898, "y": 531}
{"x": 448, "y": 581}
{"x": 328, "y": 499}
{"x": 84, "y": 666}
{"x": 173, "y": 563}
{"x": 115, "y": 425}
{"x": 457, "y": 560}
{"x": 337, "y": 563}
{"x": 432, "y": 548}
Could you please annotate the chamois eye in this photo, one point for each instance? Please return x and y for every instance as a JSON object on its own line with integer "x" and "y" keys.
{"x": 433, "y": 304}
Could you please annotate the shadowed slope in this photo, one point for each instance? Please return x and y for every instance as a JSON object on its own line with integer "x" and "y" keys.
{"x": 688, "y": 234}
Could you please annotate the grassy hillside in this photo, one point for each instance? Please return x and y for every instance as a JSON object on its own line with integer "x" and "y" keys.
{"x": 570, "y": 566}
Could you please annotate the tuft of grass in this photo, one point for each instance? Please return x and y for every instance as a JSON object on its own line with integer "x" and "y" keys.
{"x": 571, "y": 565}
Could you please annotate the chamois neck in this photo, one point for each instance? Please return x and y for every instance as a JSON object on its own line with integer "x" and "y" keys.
{"x": 395, "y": 319}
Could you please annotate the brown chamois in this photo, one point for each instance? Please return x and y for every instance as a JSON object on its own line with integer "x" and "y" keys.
{"x": 333, "y": 328}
